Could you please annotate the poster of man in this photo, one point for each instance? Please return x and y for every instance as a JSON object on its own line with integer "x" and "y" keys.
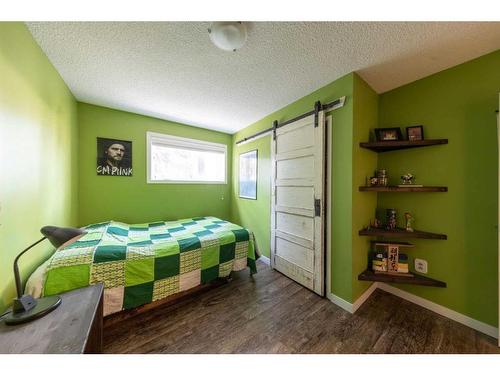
{"x": 114, "y": 157}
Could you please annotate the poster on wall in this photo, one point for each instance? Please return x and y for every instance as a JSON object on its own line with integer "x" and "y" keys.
{"x": 114, "y": 157}
{"x": 248, "y": 175}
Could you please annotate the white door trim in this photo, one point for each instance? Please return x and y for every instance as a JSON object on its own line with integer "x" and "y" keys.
{"x": 498, "y": 220}
{"x": 328, "y": 195}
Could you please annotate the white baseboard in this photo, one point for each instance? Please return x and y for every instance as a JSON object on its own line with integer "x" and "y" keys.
{"x": 441, "y": 310}
{"x": 429, "y": 305}
{"x": 352, "y": 307}
{"x": 342, "y": 303}
{"x": 368, "y": 292}
{"x": 265, "y": 260}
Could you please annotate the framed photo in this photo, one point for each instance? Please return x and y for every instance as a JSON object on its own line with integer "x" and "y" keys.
{"x": 248, "y": 175}
{"x": 388, "y": 134}
{"x": 114, "y": 157}
{"x": 415, "y": 133}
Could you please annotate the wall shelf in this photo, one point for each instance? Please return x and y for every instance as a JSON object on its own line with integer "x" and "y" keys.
{"x": 401, "y": 233}
{"x": 385, "y": 146}
{"x": 368, "y": 275}
{"x": 420, "y": 189}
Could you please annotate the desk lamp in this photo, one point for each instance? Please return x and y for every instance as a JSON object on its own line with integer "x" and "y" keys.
{"x": 25, "y": 307}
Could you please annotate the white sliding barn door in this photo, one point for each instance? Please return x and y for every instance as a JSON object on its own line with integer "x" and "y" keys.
{"x": 297, "y": 201}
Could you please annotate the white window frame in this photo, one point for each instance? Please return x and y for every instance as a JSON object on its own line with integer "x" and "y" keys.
{"x": 189, "y": 143}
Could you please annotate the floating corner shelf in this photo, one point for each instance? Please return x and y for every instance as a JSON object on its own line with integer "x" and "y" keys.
{"x": 385, "y": 146}
{"x": 401, "y": 233}
{"x": 399, "y": 189}
{"x": 369, "y": 275}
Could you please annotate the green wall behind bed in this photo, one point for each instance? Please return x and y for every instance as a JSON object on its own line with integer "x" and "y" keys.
{"x": 38, "y": 148}
{"x": 132, "y": 199}
{"x": 48, "y": 157}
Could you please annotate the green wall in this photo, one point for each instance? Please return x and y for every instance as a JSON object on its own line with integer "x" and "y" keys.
{"x": 256, "y": 214}
{"x": 132, "y": 199}
{"x": 458, "y": 104}
{"x": 38, "y": 144}
{"x": 364, "y": 162}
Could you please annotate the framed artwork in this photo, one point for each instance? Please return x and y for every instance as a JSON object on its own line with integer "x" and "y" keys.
{"x": 248, "y": 175}
{"x": 114, "y": 157}
{"x": 388, "y": 134}
{"x": 415, "y": 133}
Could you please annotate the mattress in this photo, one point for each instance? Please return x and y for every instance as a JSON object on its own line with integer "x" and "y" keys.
{"x": 142, "y": 263}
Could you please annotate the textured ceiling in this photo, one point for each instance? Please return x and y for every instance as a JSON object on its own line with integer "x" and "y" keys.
{"x": 170, "y": 70}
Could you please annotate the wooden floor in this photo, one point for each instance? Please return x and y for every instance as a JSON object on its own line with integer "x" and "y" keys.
{"x": 269, "y": 313}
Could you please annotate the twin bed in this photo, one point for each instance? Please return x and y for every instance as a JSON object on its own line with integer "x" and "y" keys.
{"x": 143, "y": 263}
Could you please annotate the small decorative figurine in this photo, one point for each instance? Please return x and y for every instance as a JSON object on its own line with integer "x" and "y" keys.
{"x": 409, "y": 219}
{"x": 391, "y": 218}
{"x": 373, "y": 181}
{"x": 407, "y": 179}
{"x": 375, "y": 224}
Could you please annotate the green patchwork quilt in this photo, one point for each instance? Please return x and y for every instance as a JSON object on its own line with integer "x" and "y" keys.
{"x": 141, "y": 263}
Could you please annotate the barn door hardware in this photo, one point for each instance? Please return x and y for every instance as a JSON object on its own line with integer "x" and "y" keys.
{"x": 339, "y": 103}
{"x": 317, "y": 207}
{"x": 317, "y": 108}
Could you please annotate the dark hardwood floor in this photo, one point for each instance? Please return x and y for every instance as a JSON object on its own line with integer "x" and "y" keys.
{"x": 269, "y": 313}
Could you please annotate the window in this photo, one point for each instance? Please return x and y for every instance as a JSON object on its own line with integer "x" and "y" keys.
{"x": 184, "y": 160}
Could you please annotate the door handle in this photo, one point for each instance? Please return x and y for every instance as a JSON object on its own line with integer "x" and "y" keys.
{"x": 317, "y": 207}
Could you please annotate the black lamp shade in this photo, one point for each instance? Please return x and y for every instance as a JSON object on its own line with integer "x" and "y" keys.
{"x": 57, "y": 235}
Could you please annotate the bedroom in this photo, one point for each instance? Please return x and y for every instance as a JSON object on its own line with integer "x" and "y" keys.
{"x": 143, "y": 134}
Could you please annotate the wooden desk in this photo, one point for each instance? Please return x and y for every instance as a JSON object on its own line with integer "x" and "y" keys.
{"x": 75, "y": 327}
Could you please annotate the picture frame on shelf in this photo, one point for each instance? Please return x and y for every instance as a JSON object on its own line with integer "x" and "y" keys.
{"x": 415, "y": 133}
{"x": 388, "y": 134}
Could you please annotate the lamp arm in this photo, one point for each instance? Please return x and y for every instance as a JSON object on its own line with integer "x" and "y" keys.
{"x": 16, "y": 268}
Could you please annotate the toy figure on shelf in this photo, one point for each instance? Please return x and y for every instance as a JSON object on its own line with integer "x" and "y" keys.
{"x": 391, "y": 218}
{"x": 375, "y": 223}
{"x": 373, "y": 181}
{"x": 407, "y": 179}
{"x": 409, "y": 219}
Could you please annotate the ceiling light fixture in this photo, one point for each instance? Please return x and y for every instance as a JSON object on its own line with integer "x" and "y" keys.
{"x": 228, "y": 36}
